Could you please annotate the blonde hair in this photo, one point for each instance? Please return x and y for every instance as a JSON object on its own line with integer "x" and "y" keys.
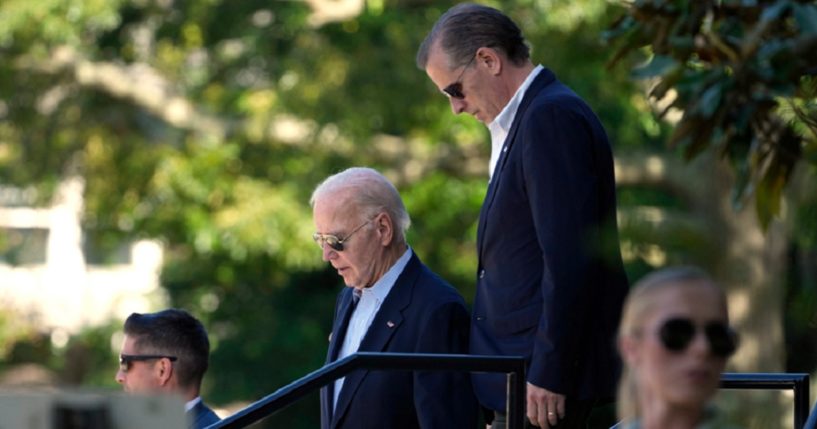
{"x": 639, "y": 303}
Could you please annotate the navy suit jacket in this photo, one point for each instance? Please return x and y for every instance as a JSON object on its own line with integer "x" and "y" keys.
{"x": 421, "y": 314}
{"x": 202, "y": 416}
{"x": 550, "y": 280}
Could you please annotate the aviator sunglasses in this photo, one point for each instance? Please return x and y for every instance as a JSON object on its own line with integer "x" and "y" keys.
{"x": 333, "y": 241}
{"x": 125, "y": 361}
{"x": 454, "y": 90}
{"x": 676, "y": 335}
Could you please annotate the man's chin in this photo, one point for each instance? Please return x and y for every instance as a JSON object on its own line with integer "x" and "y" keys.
{"x": 354, "y": 286}
{"x": 485, "y": 121}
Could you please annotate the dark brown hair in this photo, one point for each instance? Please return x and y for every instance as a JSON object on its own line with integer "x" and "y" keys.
{"x": 173, "y": 332}
{"x": 467, "y": 27}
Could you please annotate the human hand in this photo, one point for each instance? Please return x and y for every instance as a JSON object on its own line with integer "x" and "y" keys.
{"x": 545, "y": 408}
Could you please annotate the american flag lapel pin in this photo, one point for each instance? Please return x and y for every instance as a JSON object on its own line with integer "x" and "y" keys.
{"x": 390, "y": 324}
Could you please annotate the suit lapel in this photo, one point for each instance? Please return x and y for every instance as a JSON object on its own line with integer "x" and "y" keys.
{"x": 544, "y": 78}
{"x": 339, "y": 332}
{"x": 346, "y": 308}
{"x": 386, "y": 322}
{"x": 199, "y": 412}
{"x": 195, "y": 414}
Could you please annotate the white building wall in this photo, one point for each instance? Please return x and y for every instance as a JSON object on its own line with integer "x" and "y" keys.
{"x": 65, "y": 294}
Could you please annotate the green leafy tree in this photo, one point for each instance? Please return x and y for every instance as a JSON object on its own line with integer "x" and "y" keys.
{"x": 207, "y": 123}
{"x": 743, "y": 73}
{"x": 737, "y": 81}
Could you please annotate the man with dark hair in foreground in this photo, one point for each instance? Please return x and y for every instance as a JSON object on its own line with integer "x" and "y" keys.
{"x": 167, "y": 352}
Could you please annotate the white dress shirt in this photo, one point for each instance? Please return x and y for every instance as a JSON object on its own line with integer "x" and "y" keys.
{"x": 191, "y": 403}
{"x": 501, "y": 125}
{"x": 368, "y": 304}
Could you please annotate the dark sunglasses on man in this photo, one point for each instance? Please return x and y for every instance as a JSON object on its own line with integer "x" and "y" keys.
{"x": 454, "y": 90}
{"x": 676, "y": 334}
{"x": 125, "y": 361}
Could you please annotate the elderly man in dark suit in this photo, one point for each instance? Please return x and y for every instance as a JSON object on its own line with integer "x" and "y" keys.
{"x": 550, "y": 280}
{"x": 167, "y": 352}
{"x": 391, "y": 303}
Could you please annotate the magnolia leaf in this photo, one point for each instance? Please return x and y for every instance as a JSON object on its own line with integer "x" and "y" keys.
{"x": 684, "y": 43}
{"x": 773, "y": 12}
{"x": 810, "y": 152}
{"x": 659, "y": 65}
{"x": 668, "y": 81}
{"x": 699, "y": 142}
{"x": 710, "y": 100}
{"x": 806, "y": 17}
{"x": 681, "y": 137}
{"x": 624, "y": 24}
{"x": 742, "y": 184}
{"x": 768, "y": 196}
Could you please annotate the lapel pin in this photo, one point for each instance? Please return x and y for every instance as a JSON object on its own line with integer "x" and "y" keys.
{"x": 390, "y": 324}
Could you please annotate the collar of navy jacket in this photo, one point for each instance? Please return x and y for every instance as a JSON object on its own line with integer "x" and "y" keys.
{"x": 545, "y": 78}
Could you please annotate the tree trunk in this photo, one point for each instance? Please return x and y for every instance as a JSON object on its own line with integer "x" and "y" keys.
{"x": 748, "y": 262}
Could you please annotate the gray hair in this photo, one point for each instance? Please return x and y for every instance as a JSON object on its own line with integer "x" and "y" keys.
{"x": 371, "y": 193}
{"x": 467, "y": 27}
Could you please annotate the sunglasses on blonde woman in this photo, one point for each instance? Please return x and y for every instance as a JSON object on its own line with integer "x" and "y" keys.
{"x": 676, "y": 335}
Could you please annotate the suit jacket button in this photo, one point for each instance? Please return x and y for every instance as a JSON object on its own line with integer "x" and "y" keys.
{"x": 480, "y": 318}
{"x": 482, "y": 273}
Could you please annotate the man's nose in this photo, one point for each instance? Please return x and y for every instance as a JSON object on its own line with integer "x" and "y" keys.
{"x": 699, "y": 344}
{"x": 120, "y": 377}
{"x": 457, "y": 105}
{"x": 327, "y": 251}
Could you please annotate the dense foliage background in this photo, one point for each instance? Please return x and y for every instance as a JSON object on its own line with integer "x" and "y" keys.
{"x": 206, "y": 124}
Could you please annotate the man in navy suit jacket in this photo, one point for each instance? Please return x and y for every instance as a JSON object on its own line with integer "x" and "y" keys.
{"x": 392, "y": 303}
{"x": 550, "y": 280}
{"x": 167, "y": 352}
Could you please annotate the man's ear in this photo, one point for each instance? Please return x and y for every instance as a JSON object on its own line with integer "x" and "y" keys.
{"x": 490, "y": 59}
{"x": 385, "y": 228}
{"x": 164, "y": 371}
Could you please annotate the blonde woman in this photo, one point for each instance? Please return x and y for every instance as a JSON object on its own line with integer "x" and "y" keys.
{"x": 674, "y": 339}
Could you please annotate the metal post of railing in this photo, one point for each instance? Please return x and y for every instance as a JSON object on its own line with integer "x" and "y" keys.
{"x": 801, "y": 403}
{"x": 811, "y": 422}
{"x": 516, "y": 400}
{"x": 797, "y": 382}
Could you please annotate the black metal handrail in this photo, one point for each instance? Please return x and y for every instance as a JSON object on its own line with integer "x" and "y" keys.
{"x": 513, "y": 366}
{"x": 797, "y": 382}
{"x": 811, "y": 423}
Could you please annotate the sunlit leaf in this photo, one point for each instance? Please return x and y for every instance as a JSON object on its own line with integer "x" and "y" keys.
{"x": 659, "y": 65}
